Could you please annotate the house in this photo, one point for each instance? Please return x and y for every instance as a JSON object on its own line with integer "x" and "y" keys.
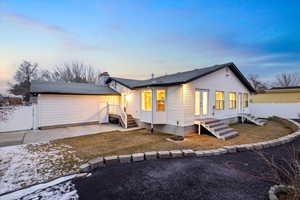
{"x": 278, "y": 95}
{"x": 280, "y": 101}
{"x": 10, "y": 100}
{"x": 173, "y": 103}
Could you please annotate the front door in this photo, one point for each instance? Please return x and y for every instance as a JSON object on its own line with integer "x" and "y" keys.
{"x": 201, "y": 103}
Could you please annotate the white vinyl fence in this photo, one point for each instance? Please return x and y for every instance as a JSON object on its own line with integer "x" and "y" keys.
{"x": 285, "y": 110}
{"x": 17, "y": 118}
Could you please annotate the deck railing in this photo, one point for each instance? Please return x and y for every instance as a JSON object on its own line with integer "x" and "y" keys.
{"x": 116, "y": 109}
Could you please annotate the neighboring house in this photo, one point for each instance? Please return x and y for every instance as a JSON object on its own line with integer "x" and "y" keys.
{"x": 170, "y": 103}
{"x": 279, "y": 101}
{"x": 278, "y": 95}
{"x": 10, "y": 100}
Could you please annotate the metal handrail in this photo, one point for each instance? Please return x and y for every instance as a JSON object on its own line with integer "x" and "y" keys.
{"x": 116, "y": 109}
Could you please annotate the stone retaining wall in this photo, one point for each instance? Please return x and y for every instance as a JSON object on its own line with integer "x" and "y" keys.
{"x": 286, "y": 122}
{"x": 274, "y": 190}
{"x": 138, "y": 157}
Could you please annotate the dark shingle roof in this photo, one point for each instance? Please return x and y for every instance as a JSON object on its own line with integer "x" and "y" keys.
{"x": 47, "y": 87}
{"x": 285, "y": 88}
{"x": 182, "y": 77}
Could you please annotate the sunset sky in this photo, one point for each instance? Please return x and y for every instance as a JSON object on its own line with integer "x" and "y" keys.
{"x": 134, "y": 38}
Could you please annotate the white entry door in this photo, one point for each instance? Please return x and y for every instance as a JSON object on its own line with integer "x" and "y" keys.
{"x": 103, "y": 115}
{"x": 201, "y": 103}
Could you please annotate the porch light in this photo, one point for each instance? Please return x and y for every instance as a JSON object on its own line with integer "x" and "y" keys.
{"x": 128, "y": 97}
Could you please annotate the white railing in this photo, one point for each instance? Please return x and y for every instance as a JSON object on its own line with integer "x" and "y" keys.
{"x": 116, "y": 109}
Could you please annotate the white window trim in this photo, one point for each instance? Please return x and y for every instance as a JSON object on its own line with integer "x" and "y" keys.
{"x": 164, "y": 99}
{"x": 142, "y": 100}
{"x": 208, "y": 101}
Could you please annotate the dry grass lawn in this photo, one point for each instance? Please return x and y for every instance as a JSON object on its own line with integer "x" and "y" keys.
{"x": 116, "y": 143}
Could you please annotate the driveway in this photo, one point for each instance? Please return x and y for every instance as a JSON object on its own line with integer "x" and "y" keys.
{"x": 239, "y": 176}
{"x": 33, "y": 136}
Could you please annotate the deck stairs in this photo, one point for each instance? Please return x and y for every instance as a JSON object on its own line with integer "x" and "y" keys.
{"x": 218, "y": 128}
{"x": 253, "y": 119}
{"x": 131, "y": 123}
{"x": 124, "y": 119}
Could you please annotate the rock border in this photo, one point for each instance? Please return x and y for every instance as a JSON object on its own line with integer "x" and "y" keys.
{"x": 153, "y": 155}
{"x": 275, "y": 189}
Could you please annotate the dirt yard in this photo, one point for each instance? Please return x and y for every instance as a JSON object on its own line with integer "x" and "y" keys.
{"x": 25, "y": 165}
{"x": 115, "y": 143}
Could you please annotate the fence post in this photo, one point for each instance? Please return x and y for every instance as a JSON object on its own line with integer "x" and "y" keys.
{"x": 35, "y": 116}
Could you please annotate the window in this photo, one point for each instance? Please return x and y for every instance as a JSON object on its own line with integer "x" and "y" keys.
{"x": 219, "y": 100}
{"x": 197, "y": 102}
{"x": 232, "y": 100}
{"x": 147, "y": 100}
{"x": 160, "y": 100}
{"x": 246, "y": 100}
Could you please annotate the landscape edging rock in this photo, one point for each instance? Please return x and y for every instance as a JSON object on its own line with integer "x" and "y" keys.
{"x": 191, "y": 153}
{"x": 275, "y": 189}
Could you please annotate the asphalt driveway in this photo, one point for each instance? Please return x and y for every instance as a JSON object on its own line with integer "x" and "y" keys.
{"x": 239, "y": 176}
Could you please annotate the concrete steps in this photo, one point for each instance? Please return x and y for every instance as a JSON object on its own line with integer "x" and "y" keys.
{"x": 253, "y": 119}
{"x": 219, "y": 129}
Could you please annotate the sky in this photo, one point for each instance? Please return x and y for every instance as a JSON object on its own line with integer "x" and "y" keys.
{"x": 135, "y": 38}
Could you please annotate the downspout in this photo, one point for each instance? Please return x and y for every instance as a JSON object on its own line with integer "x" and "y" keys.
{"x": 152, "y": 109}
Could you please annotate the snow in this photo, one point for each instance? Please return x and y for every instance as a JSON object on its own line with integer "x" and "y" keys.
{"x": 25, "y": 165}
{"x": 52, "y": 190}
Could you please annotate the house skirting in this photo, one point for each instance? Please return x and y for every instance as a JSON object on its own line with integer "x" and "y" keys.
{"x": 179, "y": 130}
{"x": 167, "y": 128}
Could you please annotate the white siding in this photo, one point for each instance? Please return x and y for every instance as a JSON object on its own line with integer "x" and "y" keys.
{"x": 175, "y": 109}
{"x": 68, "y": 109}
{"x": 221, "y": 80}
{"x": 133, "y": 103}
{"x": 285, "y": 110}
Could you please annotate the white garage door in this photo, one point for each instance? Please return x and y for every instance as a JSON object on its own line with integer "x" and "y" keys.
{"x": 71, "y": 109}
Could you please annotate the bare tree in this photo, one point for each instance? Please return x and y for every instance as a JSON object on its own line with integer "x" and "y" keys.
{"x": 26, "y": 72}
{"x": 74, "y": 72}
{"x": 256, "y": 83}
{"x": 284, "y": 171}
{"x": 287, "y": 79}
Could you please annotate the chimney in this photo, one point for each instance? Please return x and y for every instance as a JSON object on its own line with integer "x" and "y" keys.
{"x": 103, "y": 77}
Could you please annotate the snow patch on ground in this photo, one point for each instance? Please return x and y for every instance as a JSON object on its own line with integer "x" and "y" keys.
{"x": 25, "y": 165}
{"x": 64, "y": 191}
{"x": 51, "y": 190}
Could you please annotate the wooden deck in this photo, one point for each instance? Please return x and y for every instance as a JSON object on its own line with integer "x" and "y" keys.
{"x": 201, "y": 121}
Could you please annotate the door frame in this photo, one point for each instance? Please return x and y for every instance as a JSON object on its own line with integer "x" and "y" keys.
{"x": 201, "y": 115}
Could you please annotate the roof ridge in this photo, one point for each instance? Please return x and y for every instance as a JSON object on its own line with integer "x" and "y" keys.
{"x": 62, "y": 82}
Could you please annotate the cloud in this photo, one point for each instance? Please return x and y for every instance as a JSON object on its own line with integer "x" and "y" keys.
{"x": 69, "y": 40}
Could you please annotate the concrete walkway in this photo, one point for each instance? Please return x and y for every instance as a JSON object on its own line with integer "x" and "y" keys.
{"x": 33, "y": 136}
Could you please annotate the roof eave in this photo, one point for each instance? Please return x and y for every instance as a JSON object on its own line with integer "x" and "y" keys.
{"x": 73, "y": 93}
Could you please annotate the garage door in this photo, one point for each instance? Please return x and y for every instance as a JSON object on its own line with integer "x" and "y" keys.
{"x": 71, "y": 109}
